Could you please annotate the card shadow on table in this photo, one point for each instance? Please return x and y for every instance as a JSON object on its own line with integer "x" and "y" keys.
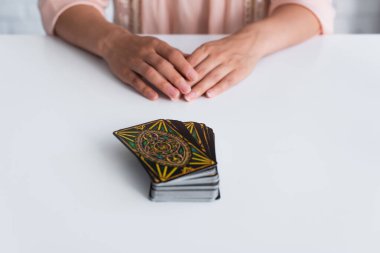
{"x": 129, "y": 168}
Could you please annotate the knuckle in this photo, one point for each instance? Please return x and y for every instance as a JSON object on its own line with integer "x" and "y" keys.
{"x": 144, "y": 89}
{"x": 177, "y": 80}
{"x": 229, "y": 81}
{"x": 173, "y": 54}
{"x": 235, "y": 61}
{"x": 152, "y": 40}
{"x": 185, "y": 66}
{"x": 192, "y": 61}
{"x": 134, "y": 80}
{"x": 134, "y": 62}
{"x": 150, "y": 55}
{"x": 162, "y": 85}
{"x": 201, "y": 70}
{"x": 216, "y": 75}
{"x": 230, "y": 62}
{"x": 201, "y": 86}
{"x": 232, "y": 79}
{"x": 143, "y": 51}
{"x": 148, "y": 71}
{"x": 197, "y": 54}
{"x": 123, "y": 73}
{"x": 218, "y": 55}
{"x": 161, "y": 63}
{"x": 205, "y": 48}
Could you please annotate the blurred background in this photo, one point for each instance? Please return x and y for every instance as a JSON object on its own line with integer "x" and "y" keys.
{"x": 353, "y": 16}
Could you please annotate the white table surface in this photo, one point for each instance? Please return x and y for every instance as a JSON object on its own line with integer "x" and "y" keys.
{"x": 298, "y": 145}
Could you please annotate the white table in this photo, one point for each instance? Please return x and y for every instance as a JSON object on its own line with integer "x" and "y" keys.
{"x": 298, "y": 145}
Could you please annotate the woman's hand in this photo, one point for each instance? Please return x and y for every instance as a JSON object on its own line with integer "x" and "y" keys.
{"x": 220, "y": 64}
{"x": 136, "y": 59}
{"x": 223, "y": 63}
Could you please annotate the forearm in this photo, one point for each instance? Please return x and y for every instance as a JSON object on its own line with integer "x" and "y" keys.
{"x": 85, "y": 27}
{"x": 287, "y": 26}
{"x": 133, "y": 59}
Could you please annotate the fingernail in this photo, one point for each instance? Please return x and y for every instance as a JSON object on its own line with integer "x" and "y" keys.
{"x": 185, "y": 88}
{"x": 192, "y": 75}
{"x": 174, "y": 95}
{"x": 210, "y": 94}
{"x": 153, "y": 95}
{"x": 190, "y": 96}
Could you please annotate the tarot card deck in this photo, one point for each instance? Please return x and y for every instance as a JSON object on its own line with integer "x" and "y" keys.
{"x": 178, "y": 156}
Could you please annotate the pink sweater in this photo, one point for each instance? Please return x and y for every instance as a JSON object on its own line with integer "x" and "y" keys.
{"x": 185, "y": 16}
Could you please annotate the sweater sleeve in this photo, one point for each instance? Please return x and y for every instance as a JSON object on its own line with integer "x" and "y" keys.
{"x": 51, "y": 9}
{"x": 322, "y": 9}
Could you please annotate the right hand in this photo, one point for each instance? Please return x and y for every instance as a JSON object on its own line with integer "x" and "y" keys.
{"x": 134, "y": 59}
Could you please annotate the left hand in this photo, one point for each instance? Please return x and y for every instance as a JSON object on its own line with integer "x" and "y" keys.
{"x": 222, "y": 63}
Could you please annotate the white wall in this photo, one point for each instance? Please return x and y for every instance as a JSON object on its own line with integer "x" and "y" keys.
{"x": 353, "y": 16}
{"x": 19, "y": 16}
{"x": 22, "y": 16}
{"x": 357, "y": 16}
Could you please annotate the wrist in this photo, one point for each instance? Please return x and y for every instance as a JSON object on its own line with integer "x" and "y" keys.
{"x": 108, "y": 41}
{"x": 257, "y": 35}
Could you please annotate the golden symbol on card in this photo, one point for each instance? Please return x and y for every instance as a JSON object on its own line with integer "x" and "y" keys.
{"x": 163, "y": 148}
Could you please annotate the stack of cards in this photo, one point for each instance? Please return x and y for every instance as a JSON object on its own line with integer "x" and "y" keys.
{"x": 178, "y": 156}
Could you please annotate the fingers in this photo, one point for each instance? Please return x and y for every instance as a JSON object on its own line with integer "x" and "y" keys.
{"x": 199, "y": 55}
{"x": 208, "y": 81}
{"x": 177, "y": 59}
{"x": 205, "y": 67}
{"x": 169, "y": 72}
{"x": 156, "y": 79}
{"x": 227, "y": 82}
{"x": 139, "y": 85}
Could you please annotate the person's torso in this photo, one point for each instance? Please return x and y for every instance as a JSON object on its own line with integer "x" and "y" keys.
{"x": 188, "y": 16}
